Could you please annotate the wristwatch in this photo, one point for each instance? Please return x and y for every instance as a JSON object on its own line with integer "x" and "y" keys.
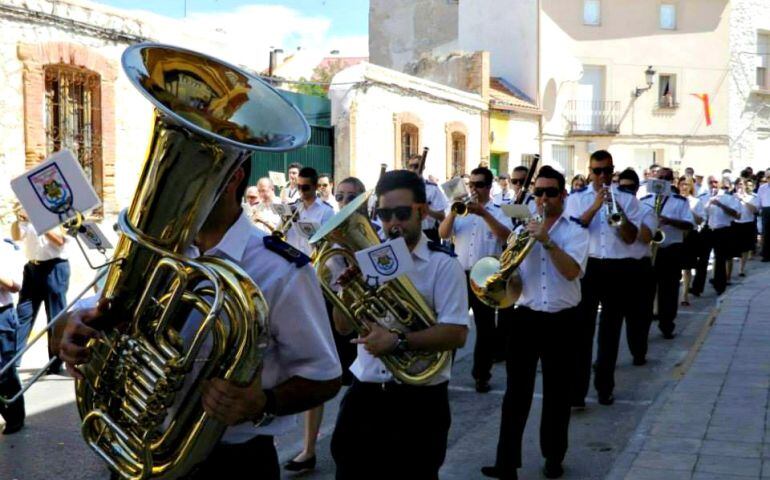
{"x": 549, "y": 244}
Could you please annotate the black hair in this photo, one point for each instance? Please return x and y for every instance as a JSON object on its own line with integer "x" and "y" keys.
{"x": 629, "y": 174}
{"x": 654, "y": 165}
{"x": 397, "y": 179}
{"x": 488, "y": 176}
{"x": 547, "y": 171}
{"x": 357, "y": 184}
{"x": 327, "y": 175}
{"x": 600, "y": 156}
{"x": 296, "y": 165}
{"x": 311, "y": 173}
{"x": 521, "y": 168}
{"x": 241, "y": 190}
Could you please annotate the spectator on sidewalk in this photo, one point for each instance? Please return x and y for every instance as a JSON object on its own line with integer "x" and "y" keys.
{"x": 10, "y": 385}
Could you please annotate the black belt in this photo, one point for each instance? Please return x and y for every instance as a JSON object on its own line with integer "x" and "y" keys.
{"x": 6, "y": 307}
{"x": 52, "y": 261}
{"x": 392, "y": 386}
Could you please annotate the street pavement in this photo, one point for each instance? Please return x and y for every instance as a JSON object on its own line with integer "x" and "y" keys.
{"x": 603, "y": 440}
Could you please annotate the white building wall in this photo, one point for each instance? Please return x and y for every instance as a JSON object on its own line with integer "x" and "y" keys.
{"x": 749, "y": 109}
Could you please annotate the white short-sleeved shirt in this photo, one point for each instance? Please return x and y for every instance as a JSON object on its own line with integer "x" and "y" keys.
{"x": 747, "y": 216}
{"x": 267, "y": 214}
{"x": 639, "y": 249}
{"x": 290, "y": 195}
{"x": 473, "y": 238}
{"x": 504, "y": 198}
{"x": 11, "y": 267}
{"x": 436, "y": 201}
{"x": 319, "y": 212}
{"x": 717, "y": 218}
{"x": 764, "y": 195}
{"x": 675, "y": 207}
{"x": 605, "y": 242}
{"x": 38, "y": 247}
{"x": 441, "y": 282}
{"x": 544, "y": 288}
{"x": 301, "y": 342}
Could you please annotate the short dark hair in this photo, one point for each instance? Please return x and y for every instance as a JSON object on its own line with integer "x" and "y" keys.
{"x": 654, "y": 165}
{"x": 327, "y": 175}
{"x": 504, "y": 176}
{"x": 357, "y": 184}
{"x": 629, "y": 174}
{"x": 397, "y": 179}
{"x": 311, "y": 173}
{"x": 296, "y": 165}
{"x": 521, "y": 168}
{"x": 546, "y": 171}
{"x": 488, "y": 176}
{"x": 241, "y": 190}
{"x": 600, "y": 156}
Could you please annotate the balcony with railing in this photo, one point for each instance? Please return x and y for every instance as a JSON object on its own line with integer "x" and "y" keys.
{"x": 586, "y": 117}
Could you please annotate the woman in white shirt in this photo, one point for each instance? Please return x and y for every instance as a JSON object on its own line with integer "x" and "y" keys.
{"x": 691, "y": 238}
{"x": 745, "y": 226}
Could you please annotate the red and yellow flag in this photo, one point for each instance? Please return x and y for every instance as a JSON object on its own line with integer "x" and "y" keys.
{"x": 706, "y": 106}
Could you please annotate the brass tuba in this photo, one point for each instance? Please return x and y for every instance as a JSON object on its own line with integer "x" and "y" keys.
{"x": 140, "y": 400}
{"x": 395, "y": 305}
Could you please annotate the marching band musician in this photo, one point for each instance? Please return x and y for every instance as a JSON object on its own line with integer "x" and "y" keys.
{"x": 608, "y": 258}
{"x": 481, "y": 233}
{"x": 300, "y": 368}
{"x": 517, "y": 182}
{"x": 505, "y": 196}
{"x": 639, "y": 315}
{"x": 436, "y": 201}
{"x": 386, "y": 429}
{"x": 10, "y": 384}
{"x": 675, "y": 219}
{"x": 311, "y": 210}
{"x": 721, "y": 209}
{"x": 545, "y": 320}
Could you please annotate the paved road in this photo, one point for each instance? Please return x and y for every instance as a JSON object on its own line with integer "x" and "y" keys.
{"x": 51, "y": 446}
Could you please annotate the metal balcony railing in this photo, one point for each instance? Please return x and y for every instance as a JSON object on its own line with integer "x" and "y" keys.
{"x": 593, "y": 117}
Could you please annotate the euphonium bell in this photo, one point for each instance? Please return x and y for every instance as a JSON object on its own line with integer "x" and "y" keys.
{"x": 395, "y": 305}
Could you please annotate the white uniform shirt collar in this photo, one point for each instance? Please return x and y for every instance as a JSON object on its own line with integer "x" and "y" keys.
{"x": 232, "y": 244}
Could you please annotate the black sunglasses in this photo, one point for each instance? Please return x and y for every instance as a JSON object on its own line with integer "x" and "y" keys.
{"x": 304, "y": 188}
{"x": 413, "y": 166}
{"x": 517, "y": 181}
{"x": 481, "y": 184}
{"x": 604, "y": 170}
{"x": 347, "y": 197}
{"x": 550, "y": 192}
{"x": 402, "y": 213}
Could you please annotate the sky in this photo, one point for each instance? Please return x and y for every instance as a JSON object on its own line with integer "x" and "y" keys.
{"x": 309, "y": 24}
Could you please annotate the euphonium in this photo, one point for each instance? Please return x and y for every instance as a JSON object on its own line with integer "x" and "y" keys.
{"x": 497, "y": 282}
{"x": 395, "y": 305}
{"x": 140, "y": 400}
{"x": 659, "y": 236}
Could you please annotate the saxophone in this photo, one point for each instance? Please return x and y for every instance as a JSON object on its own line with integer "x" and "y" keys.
{"x": 140, "y": 400}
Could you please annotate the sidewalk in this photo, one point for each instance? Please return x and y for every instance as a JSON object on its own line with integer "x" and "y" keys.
{"x": 713, "y": 423}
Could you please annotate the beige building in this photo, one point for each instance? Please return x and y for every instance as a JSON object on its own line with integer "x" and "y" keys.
{"x": 586, "y": 64}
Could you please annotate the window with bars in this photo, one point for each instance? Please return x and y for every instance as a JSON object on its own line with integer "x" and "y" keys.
{"x": 72, "y": 117}
{"x": 458, "y": 153}
{"x": 410, "y": 136}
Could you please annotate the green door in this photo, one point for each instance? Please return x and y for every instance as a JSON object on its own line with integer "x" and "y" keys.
{"x": 319, "y": 154}
{"x": 494, "y": 163}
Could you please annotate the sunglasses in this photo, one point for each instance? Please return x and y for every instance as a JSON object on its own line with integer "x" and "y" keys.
{"x": 402, "y": 213}
{"x": 347, "y": 197}
{"x": 304, "y": 188}
{"x": 517, "y": 181}
{"x": 550, "y": 192}
{"x": 604, "y": 170}
{"x": 323, "y": 185}
{"x": 480, "y": 184}
{"x": 413, "y": 166}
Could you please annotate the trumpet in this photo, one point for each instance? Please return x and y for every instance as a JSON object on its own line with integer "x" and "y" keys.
{"x": 615, "y": 216}
{"x": 460, "y": 207}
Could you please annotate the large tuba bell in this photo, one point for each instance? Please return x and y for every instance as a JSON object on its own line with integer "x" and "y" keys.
{"x": 140, "y": 400}
{"x": 395, "y": 305}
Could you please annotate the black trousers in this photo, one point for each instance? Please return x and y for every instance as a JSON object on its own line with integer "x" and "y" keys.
{"x": 607, "y": 281}
{"x": 546, "y": 337}
{"x": 766, "y": 233}
{"x": 490, "y": 338}
{"x": 10, "y": 384}
{"x": 722, "y": 242}
{"x": 705, "y": 246}
{"x": 391, "y": 431}
{"x": 43, "y": 283}
{"x": 641, "y": 282}
{"x": 253, "y": 460}
{"x": 668, "y": 275}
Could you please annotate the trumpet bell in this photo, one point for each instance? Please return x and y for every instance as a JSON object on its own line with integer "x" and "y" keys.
{"x": 460, "y": 208}
{"x": 492, "y": 288}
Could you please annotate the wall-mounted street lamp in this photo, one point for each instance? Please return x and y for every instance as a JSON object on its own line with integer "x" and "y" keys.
{"x": 649, "y": 75}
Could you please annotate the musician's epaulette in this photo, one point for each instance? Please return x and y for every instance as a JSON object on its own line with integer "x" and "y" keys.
{"x": 578, "y": 221}
{"x": 529, "y": 199}
{"x": 496, "y": 205}
{"x": 649, "y": 195}
{"x": 680, "y": 197}
{"x": 428, "y": 182}
{"x": 276, "y": 245}
{"x": 327, "y": 204}
{"x": 580, "y": 190}
{"x": 437, "y": 247}
{"x": 11, "y": 243}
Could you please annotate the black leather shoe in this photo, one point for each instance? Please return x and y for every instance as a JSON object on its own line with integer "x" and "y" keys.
{"x": 552, "y": 469}
{"x": 494, "y": 472}
{"x": 606, "y": 399}
{"x": 303, "y": 466}
{"x": 11, "y": 428}
{"x": 482, "y": 386}
{"x": 668, "y": 335}
{"x": 638, "y": 362}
